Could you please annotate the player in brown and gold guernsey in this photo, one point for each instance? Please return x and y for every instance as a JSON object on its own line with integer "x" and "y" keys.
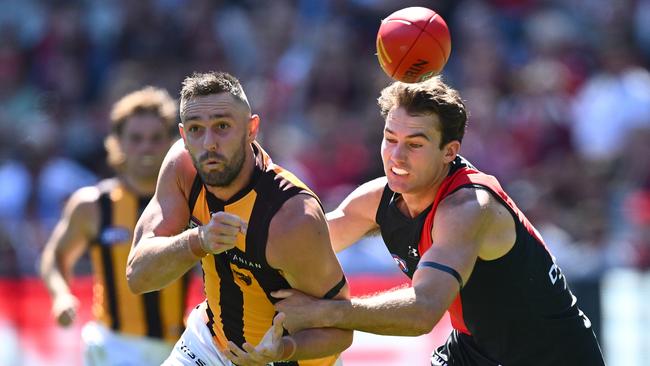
{"x": 253, "y": 225}
{"x": 127, "y": 329}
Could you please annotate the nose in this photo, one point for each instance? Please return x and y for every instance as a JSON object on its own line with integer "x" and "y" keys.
{"x": 398, "y": 154}
{"x": 210, "y": 141}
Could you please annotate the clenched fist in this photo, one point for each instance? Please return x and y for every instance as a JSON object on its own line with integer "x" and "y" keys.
{"x": 220, "y": 233}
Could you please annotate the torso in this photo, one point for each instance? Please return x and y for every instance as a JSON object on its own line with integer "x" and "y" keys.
{"x": 238, "y": 282}
{"x": 513, "y": 308}
{"x": 156, "y": 314}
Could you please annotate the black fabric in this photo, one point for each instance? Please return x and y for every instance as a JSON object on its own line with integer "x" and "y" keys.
{"x": 400, "y": 233}
{"x": 336, "y": 289}
{"x": 106, "y": 213}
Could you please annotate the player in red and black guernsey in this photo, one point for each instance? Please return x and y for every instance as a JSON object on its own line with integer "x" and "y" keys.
{"x": 254, "y": 227}
{"x": 463, "y": 242}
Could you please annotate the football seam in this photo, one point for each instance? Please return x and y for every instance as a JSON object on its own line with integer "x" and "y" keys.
{"x": 409, "y": 50}
{"x": 442, "y": 51}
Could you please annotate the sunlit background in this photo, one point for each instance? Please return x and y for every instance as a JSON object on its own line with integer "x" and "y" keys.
{"x": 558, "y": 91}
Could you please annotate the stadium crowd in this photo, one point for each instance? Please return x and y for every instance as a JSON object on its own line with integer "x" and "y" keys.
{"x": 558, "y": 91}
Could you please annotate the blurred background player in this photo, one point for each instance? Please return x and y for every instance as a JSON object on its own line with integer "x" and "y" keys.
{"x": 127, "y": 329}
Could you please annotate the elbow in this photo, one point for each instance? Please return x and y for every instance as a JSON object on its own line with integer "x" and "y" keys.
{"x": 135, "y": 283}
{"x": 346, "y": 339}
{"x": 422, "y": 328}
{"x": 426, "y": 317}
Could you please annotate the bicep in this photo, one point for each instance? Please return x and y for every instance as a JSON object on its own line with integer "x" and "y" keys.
{"x": 302, "y": 250}
{"x": 459, "y": 223}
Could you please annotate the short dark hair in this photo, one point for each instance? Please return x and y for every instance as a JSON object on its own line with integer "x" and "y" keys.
{"x": 428, "y": 97}
{"x": 213, "y": 82}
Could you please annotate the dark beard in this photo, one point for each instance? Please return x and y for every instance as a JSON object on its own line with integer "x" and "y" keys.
{"x": 229, "y": 172}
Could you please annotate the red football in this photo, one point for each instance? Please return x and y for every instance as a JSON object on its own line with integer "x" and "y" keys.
{"x": 413, "y": 44}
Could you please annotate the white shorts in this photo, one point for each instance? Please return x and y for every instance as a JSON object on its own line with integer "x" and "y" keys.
{"x": 103, "y": 346}
{"x": 196, "y": 347}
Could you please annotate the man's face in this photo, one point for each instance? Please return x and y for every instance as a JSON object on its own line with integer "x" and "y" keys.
{"x": 144, "y": 141}
{"x": 413, "y": 161}
{"x": 217, "y": 132}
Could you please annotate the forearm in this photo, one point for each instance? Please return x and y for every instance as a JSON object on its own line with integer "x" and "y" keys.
{"x": 53, "y": 277}
{"x": 320, "y": 342}
{"x": 399, "y": 312}
{"x": 157, "y": 261}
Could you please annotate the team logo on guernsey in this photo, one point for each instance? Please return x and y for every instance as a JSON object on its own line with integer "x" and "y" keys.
{"x": 243, "y": 277}
{"x": 115, "y": 234}
{"x": 401, "y": 263}
{"x": 413, "y": 252}
{"x": 194, "y": 222}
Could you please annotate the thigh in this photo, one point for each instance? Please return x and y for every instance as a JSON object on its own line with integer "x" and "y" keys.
{"x": 196, "y": 347}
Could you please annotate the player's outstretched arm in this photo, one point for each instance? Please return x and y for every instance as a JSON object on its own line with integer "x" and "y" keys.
{"x": 299, "y": 246}
{"x": 68, "y": 241}
{"x": 355, "y": 216}
{"x": 461, "y": 222}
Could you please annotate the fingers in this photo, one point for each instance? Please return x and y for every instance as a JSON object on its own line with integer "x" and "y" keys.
{"x": 229, "y": 220}
{"x": 66, "y": 317}
{"x": 278, "y": 326}
{"x": 248, "y": 356}
{"x": 282, "y": 294}
{"x": 64, "y": 309}
{"x": 221, "y": 232}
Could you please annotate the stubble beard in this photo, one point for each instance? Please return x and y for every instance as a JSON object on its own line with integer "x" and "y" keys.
{"x": 225, "y": 176}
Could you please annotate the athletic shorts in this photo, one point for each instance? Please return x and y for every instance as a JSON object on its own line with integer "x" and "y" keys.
{"x": 196, "y": 346}
{"x": 103, "y": 346}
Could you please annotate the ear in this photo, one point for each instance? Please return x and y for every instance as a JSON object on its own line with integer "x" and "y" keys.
{"x": 181, "y": 130}
{"x": 253, "y": 128}
{"x": 450, "y": 151}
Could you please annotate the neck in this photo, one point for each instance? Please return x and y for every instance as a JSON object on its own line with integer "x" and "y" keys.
{"x": 141, "y": 187}
{"x": 415, "y": 203}
{"x": 242, "y": 180}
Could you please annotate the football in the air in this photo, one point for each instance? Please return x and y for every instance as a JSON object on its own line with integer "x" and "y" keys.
{"x": 413, "y": 44}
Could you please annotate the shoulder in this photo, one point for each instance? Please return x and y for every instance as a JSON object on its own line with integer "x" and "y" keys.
{"x": 86, "y": 198}
{"x": 366, "y": 198}
{"x": 372, "y": 189}
{"x": 298, "y": 214}
{"x": 474, "y": 206}
{"x": 82, "y": 209}
{"x": 177, "y": 168}
{"x": 297, "y": 226}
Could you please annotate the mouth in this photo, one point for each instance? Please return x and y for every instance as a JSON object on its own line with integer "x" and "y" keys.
{"x": 212, "y": 163}
{"x": 399, "y": 172}
{"x": 148, "y": 160}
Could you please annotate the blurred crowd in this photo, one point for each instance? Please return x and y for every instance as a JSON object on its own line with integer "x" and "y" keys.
{"x": 558, "y": 91}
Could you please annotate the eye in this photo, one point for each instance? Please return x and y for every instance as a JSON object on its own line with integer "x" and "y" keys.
{"x": 390, "y": 140}
{"x": 194, "y": 128}
{"x": 415, "y": 146}
{"x": 222, "y": 125}
{"x": 157, "y": 138}
{"x": 135, "y": 138}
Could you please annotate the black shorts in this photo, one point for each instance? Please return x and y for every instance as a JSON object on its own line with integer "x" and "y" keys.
{"x": 460, "y": 351}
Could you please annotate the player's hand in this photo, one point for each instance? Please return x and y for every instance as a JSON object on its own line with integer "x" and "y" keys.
{"x": 269, "y": 349}
{"x": 64, "y": 309}
{"x": 220, "y": 233}
{"x": 301, "y": 311}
